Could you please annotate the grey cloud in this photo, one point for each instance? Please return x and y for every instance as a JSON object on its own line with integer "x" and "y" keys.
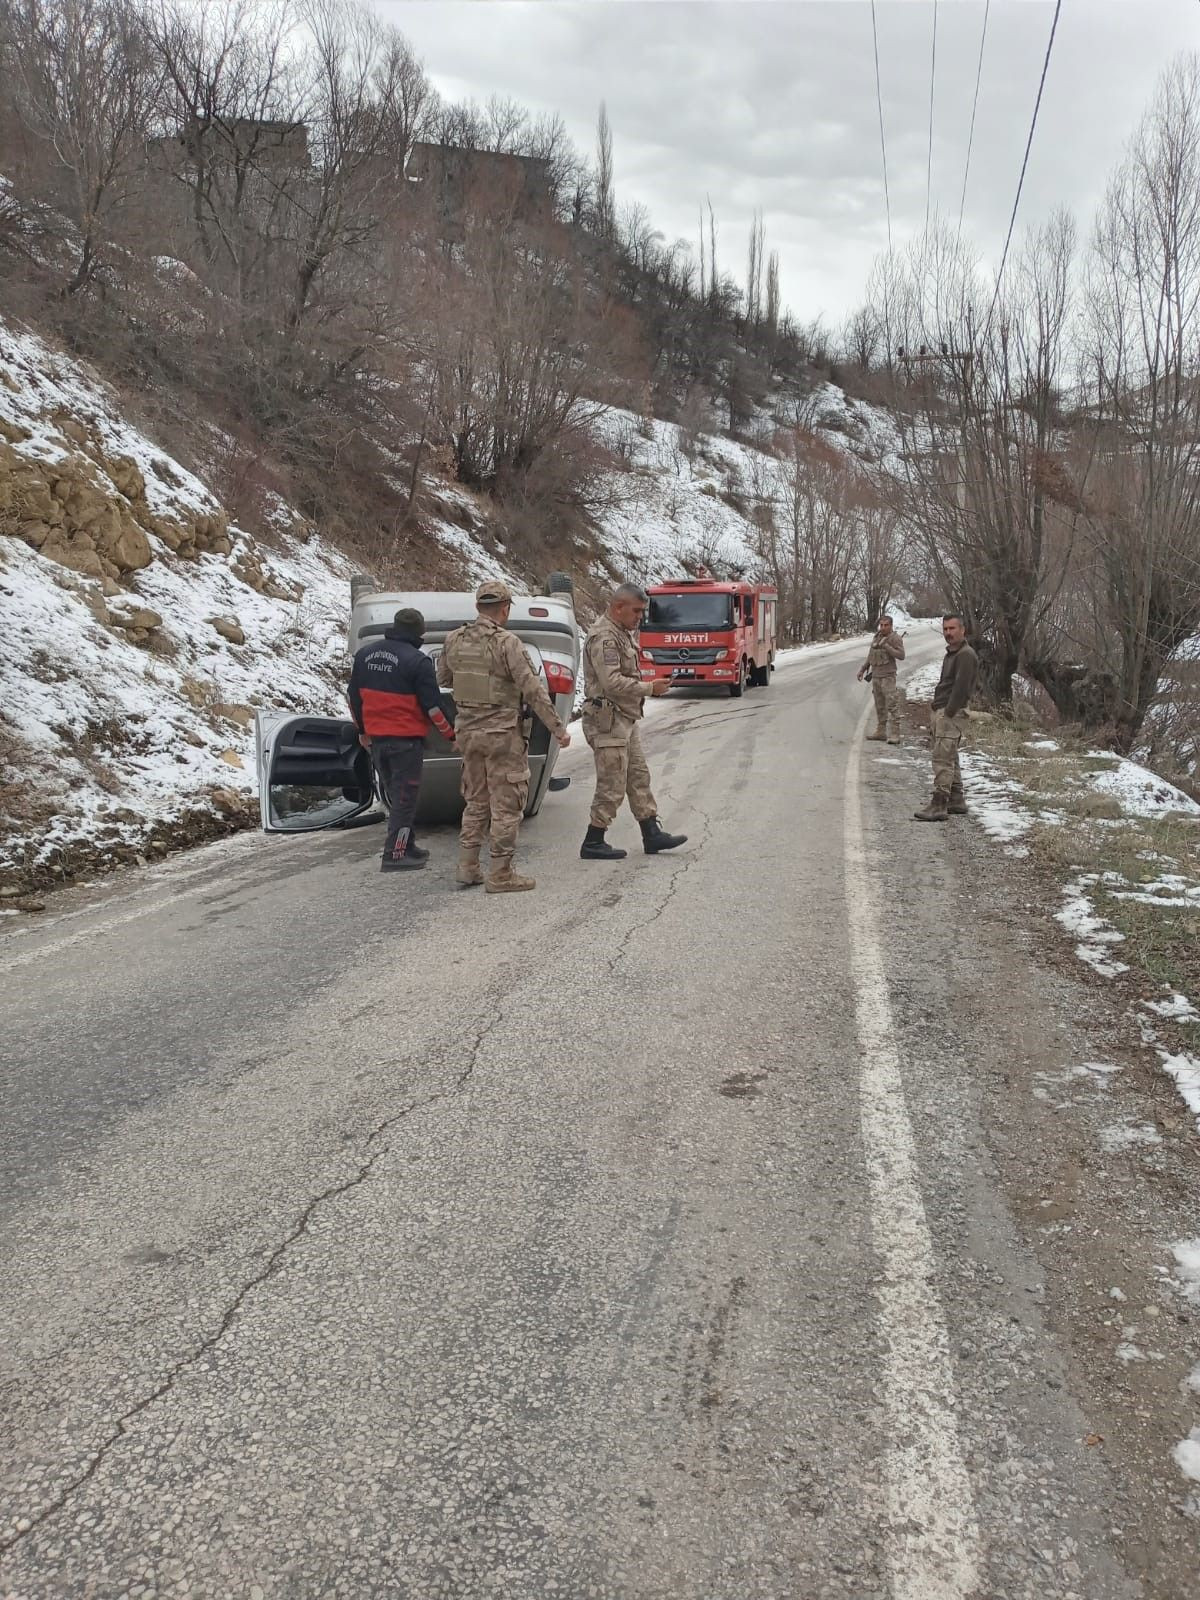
{"x": 773, "y": 105}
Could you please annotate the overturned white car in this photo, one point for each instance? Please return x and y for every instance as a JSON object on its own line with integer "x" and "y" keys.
{"x": 312, "y": 771}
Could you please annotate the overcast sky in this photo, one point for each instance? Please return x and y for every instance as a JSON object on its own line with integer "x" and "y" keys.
{"x": 771, "y": 104}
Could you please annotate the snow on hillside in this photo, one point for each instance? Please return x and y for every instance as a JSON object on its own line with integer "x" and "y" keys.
{"x": 683, "y": 502}
{"x": 126, "y": 703}
{"x": 672, "y": 508}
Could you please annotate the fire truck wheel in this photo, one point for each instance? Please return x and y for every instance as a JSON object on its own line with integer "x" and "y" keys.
{"x": 738, "y": 689}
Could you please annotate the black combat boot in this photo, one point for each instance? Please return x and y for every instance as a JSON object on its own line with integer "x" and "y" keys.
{"x": 596, "y": 847}
{"x": 655, "y": 837}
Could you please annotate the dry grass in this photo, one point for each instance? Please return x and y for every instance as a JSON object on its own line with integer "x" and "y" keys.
{"x": 1092, "y": 836}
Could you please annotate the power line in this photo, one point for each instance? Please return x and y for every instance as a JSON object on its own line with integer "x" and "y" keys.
{"x": 887, "y": 199}
{"x": 932, "y": 77}
{"x": 1025, "y": 163}
{"x": 974, "y": 108}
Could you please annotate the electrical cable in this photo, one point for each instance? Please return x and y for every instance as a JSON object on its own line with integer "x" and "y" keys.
{"x": 1025, "y": 163}
{"x": 932, "y": 79}
{"x": 974, "y": 108}
{"x": 887, "y": 199}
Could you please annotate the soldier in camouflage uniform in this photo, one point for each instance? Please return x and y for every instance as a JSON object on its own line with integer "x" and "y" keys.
{"x": 887, "y": 647}
{"x": 489, "y": 674}
{"x": 612, "y": 709}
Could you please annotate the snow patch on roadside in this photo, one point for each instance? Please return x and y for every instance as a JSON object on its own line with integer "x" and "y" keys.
{"x": 1185, "y": 1069}
{"x": 1187, "y": 1455}
{"x": 1142, "y": 793}
{"x": 919, "y": 685}
{"x": 1128, "y": 1135}
{"x": 991, "y": 796}
{"x": 1095, "y": 936}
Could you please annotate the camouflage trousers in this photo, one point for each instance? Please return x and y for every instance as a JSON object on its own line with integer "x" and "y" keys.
{"x": 621, "y": 771}
{"x": 947, "y": 736}
{"x": 495, "y": 787}
{"x": 889, "y": 697}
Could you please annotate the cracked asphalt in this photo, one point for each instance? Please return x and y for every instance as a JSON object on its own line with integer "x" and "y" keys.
{"x": 366, "y": 1237}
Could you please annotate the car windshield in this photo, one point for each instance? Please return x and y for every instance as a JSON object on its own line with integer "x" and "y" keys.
{"x": 678, "y": 611}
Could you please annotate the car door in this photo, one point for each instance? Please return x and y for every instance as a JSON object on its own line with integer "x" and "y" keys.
{"x": 312, "y": 772}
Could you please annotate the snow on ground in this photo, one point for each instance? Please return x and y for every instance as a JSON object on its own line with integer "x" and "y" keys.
{"x": 1187, "y": 1455}
{"x": 1185, "y": 1069}
{"x": 1187, "y": 1269}
{"x": 919, "y": 685}
{"x": 1095, "y": 937}
{"x": 1142, "y": 793}
{"x": 809, "y": 652}
{"x": 1175, "y": 1008}
{"x": 992, "y": 798}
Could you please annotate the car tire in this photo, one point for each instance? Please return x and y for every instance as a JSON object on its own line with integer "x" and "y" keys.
{"x": 738, "y": 689}
{"x": 561, "y": 583}
{"x": 360, "y": 583}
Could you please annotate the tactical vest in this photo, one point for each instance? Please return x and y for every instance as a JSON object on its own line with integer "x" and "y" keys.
{"x": 877, "y": 656}
{"x": 473, "y": 663}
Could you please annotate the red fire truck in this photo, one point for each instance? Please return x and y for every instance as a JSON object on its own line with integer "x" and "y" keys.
{"x": 697, "y": 630}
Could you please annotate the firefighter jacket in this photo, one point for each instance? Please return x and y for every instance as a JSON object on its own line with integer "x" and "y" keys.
{"x": 393, "y": 690}
{"x": 486, "y": 669}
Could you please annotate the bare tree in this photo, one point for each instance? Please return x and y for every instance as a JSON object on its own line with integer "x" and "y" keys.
{"x": 603, "y": 203}
{"x": 754, "y": 273}
{"x": 85, "y": 88}
{"x": 772, "y": 310}
{"x": 978, "y": 420}
{"x": 882, "y": 550}
{"x": 235, "y": 145}
{"x": 1138, "y": 452}
{"x": 861, "y": 337}
{"x": 523, "y": 353}
{"x": 367, "y": 97}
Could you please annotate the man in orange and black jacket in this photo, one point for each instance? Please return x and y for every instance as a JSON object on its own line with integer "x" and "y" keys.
{"x": 395, "y": 700}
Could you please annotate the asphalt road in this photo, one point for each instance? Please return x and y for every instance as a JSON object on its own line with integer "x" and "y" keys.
{"x": 639, "y": 1237}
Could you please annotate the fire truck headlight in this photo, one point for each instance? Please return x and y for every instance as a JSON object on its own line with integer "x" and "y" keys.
{"x": 646, "y": 656}
{"x": 722, "y": 655}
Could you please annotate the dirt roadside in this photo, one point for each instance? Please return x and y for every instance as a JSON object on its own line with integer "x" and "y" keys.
{"x": 1097, "y": 1159}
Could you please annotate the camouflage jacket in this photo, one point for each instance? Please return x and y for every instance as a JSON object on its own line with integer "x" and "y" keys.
{"x": 884, "y": 653}
{"x": 610, "y": 668}
{"x": 510, "y": 665}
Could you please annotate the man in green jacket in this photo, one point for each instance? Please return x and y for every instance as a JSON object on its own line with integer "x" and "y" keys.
{"x": 949, "y": 721}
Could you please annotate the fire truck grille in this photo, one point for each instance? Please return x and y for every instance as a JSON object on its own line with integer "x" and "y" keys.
{"x": 701, "y": 657}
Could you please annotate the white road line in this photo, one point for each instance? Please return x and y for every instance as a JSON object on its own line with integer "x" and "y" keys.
{"x": 934, "y": 1545}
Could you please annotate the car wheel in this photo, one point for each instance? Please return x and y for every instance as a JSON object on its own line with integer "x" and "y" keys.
{"x": 738, "y": 689}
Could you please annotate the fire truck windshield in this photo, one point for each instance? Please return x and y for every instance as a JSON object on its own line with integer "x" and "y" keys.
{"x": 688, "y": 611}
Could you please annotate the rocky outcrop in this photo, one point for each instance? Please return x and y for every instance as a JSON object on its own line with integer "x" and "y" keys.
{"x": 88, "y": 510}
{"x": 229, "y": 628}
